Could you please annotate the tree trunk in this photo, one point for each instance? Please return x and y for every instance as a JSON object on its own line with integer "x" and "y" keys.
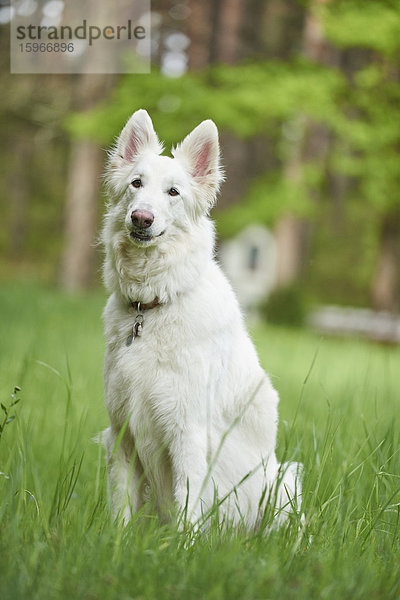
{"x": 386, "y": 282}
{"x": 198, "y": 30}
{"x": 81, "y": 216}
{"x": 84, "y": 179}
{"x": 228, "y": 33}
{"x": 292, "y": 233}
{"x": 85, "y": 167}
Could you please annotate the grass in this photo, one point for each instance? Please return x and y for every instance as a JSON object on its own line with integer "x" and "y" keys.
{"x": 339, "y": 416}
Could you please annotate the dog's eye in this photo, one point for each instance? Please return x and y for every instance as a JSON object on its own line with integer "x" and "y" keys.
{"x": 137, "y": 183}
{"x": 173, "y": 192}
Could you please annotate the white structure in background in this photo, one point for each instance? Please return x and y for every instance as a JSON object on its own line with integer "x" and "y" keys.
{"x": 341, "y": 320}
{"x": 250, "y": 263}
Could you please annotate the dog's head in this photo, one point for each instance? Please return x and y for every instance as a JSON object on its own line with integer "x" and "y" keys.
{"x": 153, "y": 195}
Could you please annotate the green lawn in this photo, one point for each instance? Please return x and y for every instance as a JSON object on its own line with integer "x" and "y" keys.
{"x": 339, "y": 416}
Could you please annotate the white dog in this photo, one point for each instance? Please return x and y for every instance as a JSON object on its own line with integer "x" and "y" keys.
{"x": 193, "y": 415}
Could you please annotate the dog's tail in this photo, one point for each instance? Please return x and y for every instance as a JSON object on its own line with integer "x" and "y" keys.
{"x": 103, "y": 438}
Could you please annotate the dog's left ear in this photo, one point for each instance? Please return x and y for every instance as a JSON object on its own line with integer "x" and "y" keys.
{"x": 199, "y": 153}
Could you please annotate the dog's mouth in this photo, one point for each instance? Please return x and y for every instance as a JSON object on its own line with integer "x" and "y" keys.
{"x": 144, "y": 237}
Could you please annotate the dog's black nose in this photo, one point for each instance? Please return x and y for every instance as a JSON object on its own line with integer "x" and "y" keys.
{"x": 142, "y": 218}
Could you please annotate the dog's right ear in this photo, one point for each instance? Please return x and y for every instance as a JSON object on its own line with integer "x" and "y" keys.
{"x": 137, "y": 135}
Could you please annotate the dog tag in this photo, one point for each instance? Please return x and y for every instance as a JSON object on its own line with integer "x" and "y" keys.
{"x": 136, "y": 329}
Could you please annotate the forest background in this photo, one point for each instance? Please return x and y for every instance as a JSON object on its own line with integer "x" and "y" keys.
{"x": 306, "y": 96}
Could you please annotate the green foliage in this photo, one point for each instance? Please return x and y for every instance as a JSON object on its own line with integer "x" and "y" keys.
{"x": 161, "y": 96}
{"x": 285, "y": 306}
{"x": 264, "y": 202}
{"x": 371, "y": 139}
{"x": 245, "y": 99}
{"x": 339, "y": 415}
{"x": 342, "y": 254}
{"x": 368, "y": 138}
{"x": 357, "y": 24}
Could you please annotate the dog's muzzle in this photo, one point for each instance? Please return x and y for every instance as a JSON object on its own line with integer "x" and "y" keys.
{"x": 141, "y": 226}
{"x": 142, "y": 220}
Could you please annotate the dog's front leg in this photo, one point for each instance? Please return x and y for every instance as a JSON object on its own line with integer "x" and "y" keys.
{"x": 188, "y": 453}
{"x": 125, "y": 476}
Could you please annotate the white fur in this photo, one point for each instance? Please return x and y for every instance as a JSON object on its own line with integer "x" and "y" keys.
{"x": 192, "y": 412}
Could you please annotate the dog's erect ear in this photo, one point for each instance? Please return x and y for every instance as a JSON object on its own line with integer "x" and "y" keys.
{"x": 200, "y": 151}
{"x": 199, "y": 154}
{"x": 138, "y": 135}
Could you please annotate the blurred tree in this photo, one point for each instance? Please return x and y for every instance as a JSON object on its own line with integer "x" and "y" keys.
{"x": 308, "y": 141}
{"x": 84, "y": 169}
{"x": 370, "y": 133}
{"x": 82, "y": 192}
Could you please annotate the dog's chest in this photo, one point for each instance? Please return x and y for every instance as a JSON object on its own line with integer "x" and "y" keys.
{"x": 152, "y": 377}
